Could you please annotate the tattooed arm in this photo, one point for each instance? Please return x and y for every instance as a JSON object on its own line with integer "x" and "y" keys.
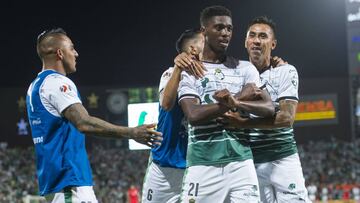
{"x": 79, "y": 117}
{"x": 284, "y": 118}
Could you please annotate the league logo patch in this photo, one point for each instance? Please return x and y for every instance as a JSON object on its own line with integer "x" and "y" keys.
{"x": 64, "y": 88}
{"x": 166, "y": 75}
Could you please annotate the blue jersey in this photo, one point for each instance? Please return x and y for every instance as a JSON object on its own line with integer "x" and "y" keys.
{"x": 60, "y": 148}
{"x": 172, "y": 151}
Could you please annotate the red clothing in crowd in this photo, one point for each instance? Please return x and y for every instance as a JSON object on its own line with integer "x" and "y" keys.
{"x": 133, "y": 195}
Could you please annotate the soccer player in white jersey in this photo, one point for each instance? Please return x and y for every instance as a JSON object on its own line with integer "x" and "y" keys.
{"x": 272, "y": 139}
{"x": 59, "y": 121}
{"x": 163, "y": 179}
{"x": 219, "y": 163}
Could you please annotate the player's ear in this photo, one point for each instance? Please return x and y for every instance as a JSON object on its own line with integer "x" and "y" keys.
{"x": 202, "y": 29}
{"x": 245, "y": 41}
{"x": 274, "y": 43}
{"x": 192, "y": 50}
{"x": 59, "y": 54}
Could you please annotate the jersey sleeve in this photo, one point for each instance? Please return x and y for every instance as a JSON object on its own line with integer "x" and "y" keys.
{"x": 165, "y": 77}
{"x": 187, "y": 87}
{"x": 289, "y": 84}
{"x": 59, "y": 92}
{"x": 252, "y": 75}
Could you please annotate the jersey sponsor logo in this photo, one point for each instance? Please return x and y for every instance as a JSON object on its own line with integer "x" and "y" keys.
{"x": 36, "y": 121}
{"x": 208, "y": 99}
{"x": 38, "y": 140}
{"x": 204, "y": 81}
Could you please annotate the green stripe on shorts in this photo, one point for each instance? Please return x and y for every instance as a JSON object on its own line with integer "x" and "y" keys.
{"x": 68, "y": 196}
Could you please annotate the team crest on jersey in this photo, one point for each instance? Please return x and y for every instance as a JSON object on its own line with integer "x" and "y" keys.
{"x": 192, "y": 200}
{"x": 292, "y": 186}
{"x": 65, "y": 88}
{"x": 219, "y": 74}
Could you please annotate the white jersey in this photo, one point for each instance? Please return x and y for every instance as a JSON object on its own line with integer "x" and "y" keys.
{"x": 281, "y": 82}
{"x": 165, "y": 77}
{"x": 211, "y": 144}
{"x": 274, "y": 144}
{"x": 56, "y": 101}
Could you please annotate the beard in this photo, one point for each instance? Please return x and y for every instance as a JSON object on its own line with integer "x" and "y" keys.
{"x": 69, "y": 67}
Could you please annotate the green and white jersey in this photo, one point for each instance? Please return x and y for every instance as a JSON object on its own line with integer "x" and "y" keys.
{"x": 273, "y": 144}
{"x": 210, "y": 144}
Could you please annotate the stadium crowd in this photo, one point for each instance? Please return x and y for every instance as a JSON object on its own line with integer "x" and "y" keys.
{"x": 331, "y": 169}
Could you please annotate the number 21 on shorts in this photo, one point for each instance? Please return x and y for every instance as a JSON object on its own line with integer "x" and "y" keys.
{"x": 193, "y": 190}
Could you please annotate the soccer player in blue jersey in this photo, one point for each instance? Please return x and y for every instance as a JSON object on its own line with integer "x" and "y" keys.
{"x": 164, "y": 175}
{"x": 59, "y": 122}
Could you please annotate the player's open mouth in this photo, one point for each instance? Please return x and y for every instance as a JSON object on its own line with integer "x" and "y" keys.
{"x": 256, "y": 49}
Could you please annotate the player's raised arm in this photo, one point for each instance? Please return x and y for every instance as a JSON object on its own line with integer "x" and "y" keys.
{"x": 276, "y": 61}
{"x": 190, "y": 45}
{"x": 183, "y": 62}
{"x": 77, "y": 115}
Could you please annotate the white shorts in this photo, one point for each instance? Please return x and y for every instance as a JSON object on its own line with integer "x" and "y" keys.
{"x": 74, "y": 195}
{"x": 282, "y": 181}
{"x": 162, "y": 184}
{"x": 234, "y": 182}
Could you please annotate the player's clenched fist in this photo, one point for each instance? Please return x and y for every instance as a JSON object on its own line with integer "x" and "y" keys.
{"x": 224, "y": 97}
{"x": 145, "y": 134}
{"x": 250, "y": 92}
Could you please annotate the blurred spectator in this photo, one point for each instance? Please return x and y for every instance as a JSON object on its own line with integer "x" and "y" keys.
{"x": 133, "y": 194}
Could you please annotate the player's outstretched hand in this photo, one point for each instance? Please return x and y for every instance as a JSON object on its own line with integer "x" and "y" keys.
{"x": 190, "y": 63}
{"x": 224, "y": 97}
{"x": 145, "y": 134}
{"x": 250, "y": 92}
{"x": 231, "y": 120}
{"x": 277, "y": 61}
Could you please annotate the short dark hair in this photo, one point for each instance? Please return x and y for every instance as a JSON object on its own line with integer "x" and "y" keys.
{"x": 212, "y": 11}
{"x": 54, "y": 32}
{"x": 264, "y": 20}
{"x": 185, "y": 37}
